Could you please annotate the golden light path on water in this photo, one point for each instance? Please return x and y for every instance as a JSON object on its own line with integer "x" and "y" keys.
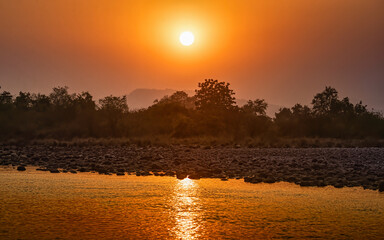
{"x": 41, "y": 205}
{"x": 187, "y": 210}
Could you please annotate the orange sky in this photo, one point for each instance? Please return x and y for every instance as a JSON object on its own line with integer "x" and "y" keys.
{"x": 283, "y": 51}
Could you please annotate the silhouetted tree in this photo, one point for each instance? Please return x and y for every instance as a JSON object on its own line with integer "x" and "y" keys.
{"x": 113, "y": 109}
{"x": 324, "y": 102}
{"x": 257, "y": 107}
{"x": 301, "y": 111}
{"x": 216, "y": 108}
{"x": 5, "y": 99}
{"x": 212, "y": 111}
{"x": 61, "y": 99}
{"x": 84, "y": 101}
{"x": 284, "y": 121}
{"x": 85, "y": 111}
{"x": 179, "y": 97}
{"x": 23, "y": 101}
{"x": 5, "y": 112}
{"x": 171, "y": 115}
{"x": 214, "y": 95}
{"x": 40, "y": 102}
{"x": 253, "y": 119}
{"x": 360, "y": 109}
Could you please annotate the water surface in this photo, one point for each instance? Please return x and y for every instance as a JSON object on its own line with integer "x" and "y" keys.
{"x": 41, "y": 205}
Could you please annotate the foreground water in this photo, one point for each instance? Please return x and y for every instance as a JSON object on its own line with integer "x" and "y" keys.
{"x": 41, "y": 205}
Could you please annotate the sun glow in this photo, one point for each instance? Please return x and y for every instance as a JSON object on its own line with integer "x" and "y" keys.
{"x": 186, "y": 38}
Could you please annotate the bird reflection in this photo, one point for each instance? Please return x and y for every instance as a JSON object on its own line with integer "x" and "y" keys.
{"x": 187, "y": 210}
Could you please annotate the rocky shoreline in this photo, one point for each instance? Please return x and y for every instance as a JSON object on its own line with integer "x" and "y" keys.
{"x": 338, "y": 167}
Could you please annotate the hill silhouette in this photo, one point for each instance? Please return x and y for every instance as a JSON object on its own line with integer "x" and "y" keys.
{"x": 144, "y": 97}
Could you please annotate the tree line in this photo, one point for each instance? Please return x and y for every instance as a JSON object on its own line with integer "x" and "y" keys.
{"x": 212, "y": 111}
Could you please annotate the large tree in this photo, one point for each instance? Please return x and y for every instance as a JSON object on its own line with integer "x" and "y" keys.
{"x": 214, "y": 95}
{"x": 325, "y": 102}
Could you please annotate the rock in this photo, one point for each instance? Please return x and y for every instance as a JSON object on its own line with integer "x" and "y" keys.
{"x": 270, "y": 180}
{"x": 321, "y": 184}
{"x": 224, "y": 179}
{"x": 181, "y": 175}
{"x": 54, "y": 171}
{"x": 381, "y": 186}
{"x": 247, "y": 179}
{"x": 305, "y": 184}
{"x": 339, "y": 185}
{"x": 21, "y": 168}
{"x": 73, "y": 171}
{"x": 169, "y": 173}
{"x": 120, "y": 174}
{"x": 256, "y": 180}
{"x": 102, "y": 171}
{"x": 194, "y": 176}
{"x": 145, "y": 173}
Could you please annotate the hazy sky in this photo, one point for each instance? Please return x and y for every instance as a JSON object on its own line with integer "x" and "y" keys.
{"x": 282, "y": 50}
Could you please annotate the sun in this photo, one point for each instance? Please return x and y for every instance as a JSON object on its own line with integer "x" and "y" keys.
{"x": 186, "y": 38}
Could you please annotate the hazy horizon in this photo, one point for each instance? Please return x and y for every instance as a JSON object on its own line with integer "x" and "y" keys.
{"x": 279, "y": 51}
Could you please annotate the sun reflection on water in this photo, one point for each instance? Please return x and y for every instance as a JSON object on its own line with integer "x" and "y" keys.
{"x": 186, "y": 210}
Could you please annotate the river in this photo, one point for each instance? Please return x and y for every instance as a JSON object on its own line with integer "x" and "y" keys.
{"x": 43, "y": 205}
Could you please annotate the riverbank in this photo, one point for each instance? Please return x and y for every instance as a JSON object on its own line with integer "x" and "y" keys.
{"x": 338, "y": 167}
{"x": 204, "y": 141}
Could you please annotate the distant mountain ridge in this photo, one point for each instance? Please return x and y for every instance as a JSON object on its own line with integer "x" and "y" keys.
{"x": 144, "y": 97}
